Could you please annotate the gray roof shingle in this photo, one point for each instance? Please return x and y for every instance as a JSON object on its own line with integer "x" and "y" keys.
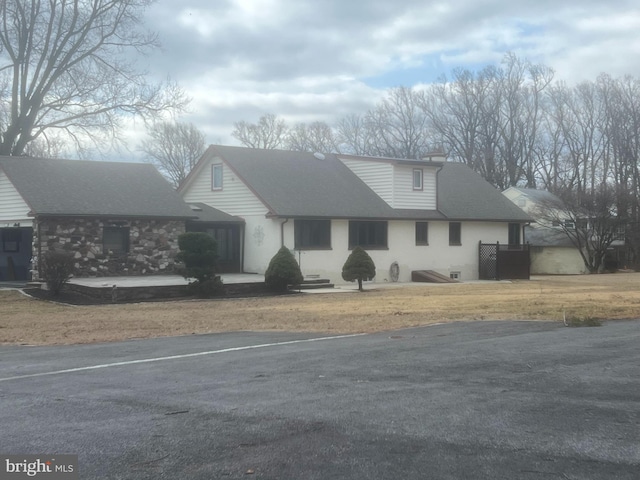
{"x": 209, "y": 214}
{"x": 92, "y": 188}
{"x": 464, "y": 195}
{"x": 299, "y": 184}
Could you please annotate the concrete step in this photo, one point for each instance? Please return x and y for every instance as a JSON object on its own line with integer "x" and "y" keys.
{"x": 313, "y": 283}
{"x": 430, "y": 276}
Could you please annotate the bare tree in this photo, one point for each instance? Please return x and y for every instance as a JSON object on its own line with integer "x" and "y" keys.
{"x": 589, "y": 219}
{"x": 66, "y": 66}
{"x": 312, "y": 137}
{"x": 174, "y": 148}
{"x": 398, "y": 125}
{"x": 270, "y": 132}
{"x": 45, "y": 146}
{"x": 353, "y": 136}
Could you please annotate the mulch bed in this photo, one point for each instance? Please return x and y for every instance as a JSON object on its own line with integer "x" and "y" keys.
{"x": 71, "y": 297}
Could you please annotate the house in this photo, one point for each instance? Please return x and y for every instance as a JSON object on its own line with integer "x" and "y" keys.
{"x": 425, "y": 214}
{"x": 552, "y": 252}
{"x": 115, "y": 218}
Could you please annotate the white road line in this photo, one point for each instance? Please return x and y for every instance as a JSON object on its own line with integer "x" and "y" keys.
{"x": 176, "y": 357}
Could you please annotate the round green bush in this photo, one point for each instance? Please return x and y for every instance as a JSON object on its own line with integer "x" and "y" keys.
{"x": 283, "y": 270}
{"x": 359, "y": 266}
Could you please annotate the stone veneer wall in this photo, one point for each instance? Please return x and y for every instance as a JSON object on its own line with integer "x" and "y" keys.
{"x": 153, "y": 245}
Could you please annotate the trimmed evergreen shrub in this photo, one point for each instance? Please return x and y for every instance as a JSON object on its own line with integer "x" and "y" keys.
{"x": 283, "y": 270}
{"x": 359, "y": 266}
{"x": 57, "y": 269}
{"x": 199, "y": 252}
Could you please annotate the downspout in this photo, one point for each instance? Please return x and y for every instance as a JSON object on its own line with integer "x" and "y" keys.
{"x": 282, "y": 232}
{"x": 39, "y": 251}
{"x": 242, "y": 239}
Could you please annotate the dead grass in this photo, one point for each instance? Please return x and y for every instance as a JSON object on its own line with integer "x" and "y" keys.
{"x": 27, "y": 321}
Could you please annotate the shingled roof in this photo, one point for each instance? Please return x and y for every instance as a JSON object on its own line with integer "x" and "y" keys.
{"x": 302, "y": 184}
{"x": 464, "y": 195}
{"x": 297, "y": 184}
{"x": 91, "y": 188}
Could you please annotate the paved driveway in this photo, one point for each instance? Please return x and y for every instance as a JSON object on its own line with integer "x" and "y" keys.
{"x": 484, "y": 400}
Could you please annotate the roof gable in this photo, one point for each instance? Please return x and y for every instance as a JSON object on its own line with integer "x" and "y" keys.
{"x": 92, "y": 188}
{"x": 303, "y": 184}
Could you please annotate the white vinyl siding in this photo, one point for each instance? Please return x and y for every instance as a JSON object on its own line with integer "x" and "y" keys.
{"x": 13, "y": 208}
{"x": 404, "y": 194}
{"x": 377, "y": 175}
{"x": 235, "y": 198}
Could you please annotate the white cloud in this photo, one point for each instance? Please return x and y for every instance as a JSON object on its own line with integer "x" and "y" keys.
{"x": 307, "y": 60}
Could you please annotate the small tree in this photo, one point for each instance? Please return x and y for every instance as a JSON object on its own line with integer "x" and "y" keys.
{"x": 199, "y": 252}
{"x": 358, "y": 266}
{"x": 589, "y": 219}
{"x": 57, "y": 269}
{"x": 283, "y": 270}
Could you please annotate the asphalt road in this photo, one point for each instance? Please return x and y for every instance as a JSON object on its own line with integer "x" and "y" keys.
{"x": 483, "y": 400}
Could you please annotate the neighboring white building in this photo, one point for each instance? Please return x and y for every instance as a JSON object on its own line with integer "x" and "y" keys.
{"x": 552, "y": 252}
{"x": 425, "y": 214}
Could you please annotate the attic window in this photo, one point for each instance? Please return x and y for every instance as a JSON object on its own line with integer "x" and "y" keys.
{"x": 216, "y": 176}
{"x": 417, "y": 179}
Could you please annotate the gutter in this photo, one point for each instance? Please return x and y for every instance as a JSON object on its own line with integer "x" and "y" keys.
{"x": 282, "y": 232}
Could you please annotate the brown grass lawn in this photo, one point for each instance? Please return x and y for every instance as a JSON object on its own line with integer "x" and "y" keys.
{"x": 35, "y": 322}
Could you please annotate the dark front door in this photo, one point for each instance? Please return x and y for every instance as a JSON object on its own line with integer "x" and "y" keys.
{"x": 15, "y": 253}
{"x": 228, "y": 238}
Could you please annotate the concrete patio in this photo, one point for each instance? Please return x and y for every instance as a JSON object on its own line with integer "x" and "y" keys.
{"x": 160, "y": 280}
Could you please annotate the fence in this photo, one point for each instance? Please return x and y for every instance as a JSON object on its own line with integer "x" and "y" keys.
{"x": 504, "y": 262}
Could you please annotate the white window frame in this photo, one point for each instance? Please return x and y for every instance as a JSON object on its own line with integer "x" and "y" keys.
{"x": 216, "y": 185}
{"x": 418, "y": 174}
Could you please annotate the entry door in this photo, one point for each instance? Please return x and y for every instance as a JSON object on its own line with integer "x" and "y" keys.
{"x": 228, "y": 239}
{"x": 15, "y": 253}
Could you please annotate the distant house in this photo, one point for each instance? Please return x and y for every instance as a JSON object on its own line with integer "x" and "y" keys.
{"x": 552, "y": 252}
{"x": 426, "y": 214}
{"x": 115, "y": 218}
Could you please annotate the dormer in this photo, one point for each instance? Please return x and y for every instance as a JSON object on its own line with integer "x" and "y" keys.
{"x": 402, "y": 183}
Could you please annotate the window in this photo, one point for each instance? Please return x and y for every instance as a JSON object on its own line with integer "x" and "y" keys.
{"x": 422, "y": 233}
{"x": 514, "y": 234}
{"x": 455, "y": 233}
{"x": 454, "y": 276}
{"x": 367, "y": 234}
{"x": 417, "y": 179}
{"x": 569, "y": 225}
{"x": 312, "y": 234}
{"x": 115, "y": 240}
{"x": 216, "y": 176}
{"x": 11, "y": 240}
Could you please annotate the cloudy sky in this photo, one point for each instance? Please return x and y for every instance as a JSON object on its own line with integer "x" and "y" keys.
{"x": 307, "y": 60}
